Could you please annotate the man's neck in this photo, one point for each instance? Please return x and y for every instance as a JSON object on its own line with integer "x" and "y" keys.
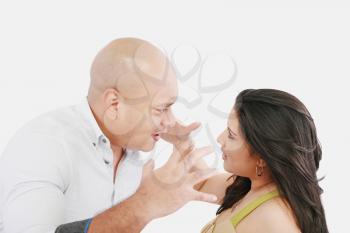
{"x": 118, "y": 153}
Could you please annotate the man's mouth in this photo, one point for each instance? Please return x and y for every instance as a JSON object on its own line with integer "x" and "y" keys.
{"x": 156, "y": 136}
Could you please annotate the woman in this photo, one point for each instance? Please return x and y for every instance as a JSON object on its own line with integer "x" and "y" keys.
{"x": 271, "y": 147}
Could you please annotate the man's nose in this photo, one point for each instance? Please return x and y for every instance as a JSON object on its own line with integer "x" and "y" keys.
{"x": 168, "y": 120}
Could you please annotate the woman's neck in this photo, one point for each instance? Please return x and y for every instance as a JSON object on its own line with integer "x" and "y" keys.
{"x": 257, "y": 185}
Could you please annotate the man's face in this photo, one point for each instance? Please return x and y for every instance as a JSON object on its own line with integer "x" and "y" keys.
{"x": 140, "y": 121}
{"x": 146, "y": 87}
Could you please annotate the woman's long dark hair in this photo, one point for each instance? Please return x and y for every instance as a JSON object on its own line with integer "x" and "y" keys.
{"x": 278, "y": 127}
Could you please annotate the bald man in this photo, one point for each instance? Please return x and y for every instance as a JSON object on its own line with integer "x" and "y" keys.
{"x": 77, "y": 169}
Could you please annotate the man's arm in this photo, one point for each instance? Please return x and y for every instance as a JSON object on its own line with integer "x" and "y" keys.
{"x": 129, "y": 216}
{"x": 35, "y": 173}
{"x": 162, "y": 192}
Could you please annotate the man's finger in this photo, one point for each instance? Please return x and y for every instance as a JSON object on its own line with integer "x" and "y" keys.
{"x": 193, "y": 126}
{"x": 206, "y": 197}
{"x": 185, "y": 147}
{"x": 186, "y": 130}
{"x": 195, "y": 155}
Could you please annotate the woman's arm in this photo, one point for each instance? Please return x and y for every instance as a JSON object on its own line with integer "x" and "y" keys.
{"x": 216, "y": 185}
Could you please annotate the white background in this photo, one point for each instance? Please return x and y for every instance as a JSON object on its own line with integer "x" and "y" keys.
{"x": 46, "y": 48}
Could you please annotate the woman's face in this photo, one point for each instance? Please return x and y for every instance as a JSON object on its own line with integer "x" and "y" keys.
{"x": 238, "y": 160}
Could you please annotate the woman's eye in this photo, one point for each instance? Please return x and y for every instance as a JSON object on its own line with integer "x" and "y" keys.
{"x": 230, "y": 136}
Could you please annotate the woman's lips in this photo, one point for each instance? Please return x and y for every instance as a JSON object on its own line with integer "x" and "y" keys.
{"x": 224, "y": 157}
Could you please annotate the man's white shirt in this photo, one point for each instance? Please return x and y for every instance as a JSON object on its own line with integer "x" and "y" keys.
{"x": 58, "y": 169}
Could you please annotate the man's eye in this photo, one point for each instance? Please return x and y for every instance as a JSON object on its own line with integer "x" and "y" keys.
{"x": 162, "y": 110}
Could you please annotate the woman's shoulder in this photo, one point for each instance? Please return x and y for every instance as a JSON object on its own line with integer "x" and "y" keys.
{"x": 274, "y": 215}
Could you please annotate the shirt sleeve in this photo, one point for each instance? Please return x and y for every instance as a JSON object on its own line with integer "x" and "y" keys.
{"x": 74, "y": 227}
{"x": 34, "y": 174}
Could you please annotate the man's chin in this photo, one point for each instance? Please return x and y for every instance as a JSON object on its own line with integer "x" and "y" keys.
{"x": 147, "y": 147}
{"x": 150, "y": 148}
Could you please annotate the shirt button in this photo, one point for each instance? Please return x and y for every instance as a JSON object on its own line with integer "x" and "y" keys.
{"x": 106, "y": 161}
{"x": 104, "y": 140}
{"x": 94, "y": 144}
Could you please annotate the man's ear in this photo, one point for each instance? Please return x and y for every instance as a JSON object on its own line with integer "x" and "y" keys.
{"x": 111, "y": 100}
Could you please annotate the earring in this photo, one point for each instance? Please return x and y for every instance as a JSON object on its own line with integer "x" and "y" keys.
{"x": 259, "y": 170}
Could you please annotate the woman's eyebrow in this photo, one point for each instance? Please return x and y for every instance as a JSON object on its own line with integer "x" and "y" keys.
{"x": 231, "y": 132}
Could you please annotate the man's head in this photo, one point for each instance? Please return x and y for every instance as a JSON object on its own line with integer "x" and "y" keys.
{"x": 131, "y": 91}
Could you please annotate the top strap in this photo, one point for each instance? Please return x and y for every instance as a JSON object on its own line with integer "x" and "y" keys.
{"x": 252, "y": 206}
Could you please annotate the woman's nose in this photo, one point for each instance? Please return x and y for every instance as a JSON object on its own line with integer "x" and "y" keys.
{"x": 219, "y": 139}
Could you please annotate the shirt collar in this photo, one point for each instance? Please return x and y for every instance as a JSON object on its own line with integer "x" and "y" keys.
{"x": 88, "y": 116}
